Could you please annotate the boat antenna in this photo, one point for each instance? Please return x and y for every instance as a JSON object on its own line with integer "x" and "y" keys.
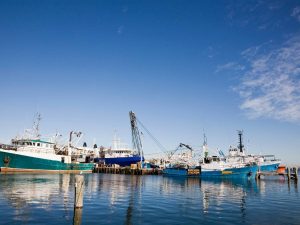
{"x": 36, "y": 124}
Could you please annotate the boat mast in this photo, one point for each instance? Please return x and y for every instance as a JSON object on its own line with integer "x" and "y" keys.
{"x": 241, "y": 146}
{"x": 36, "y": 125}
{"x": 135, "y": 134}
{"x": 70, "y": 147}
{"x": 205, "y": 150}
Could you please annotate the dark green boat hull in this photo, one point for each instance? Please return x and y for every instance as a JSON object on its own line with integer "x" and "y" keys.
{"x": 10, "y": 162}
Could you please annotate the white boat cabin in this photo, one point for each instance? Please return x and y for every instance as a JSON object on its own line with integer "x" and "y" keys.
{"x": 31, "y": 145}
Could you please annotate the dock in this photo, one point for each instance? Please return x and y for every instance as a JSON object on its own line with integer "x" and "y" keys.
{"x": 290, "y": 173}
{"x": 127, "y": 170}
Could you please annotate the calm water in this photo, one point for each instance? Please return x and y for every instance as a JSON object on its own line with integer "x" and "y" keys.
{"x": 125, "y": 199}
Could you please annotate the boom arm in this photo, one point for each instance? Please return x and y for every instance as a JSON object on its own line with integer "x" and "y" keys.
{"x": 136, "y": 139}
{"x": 180, "y": 146}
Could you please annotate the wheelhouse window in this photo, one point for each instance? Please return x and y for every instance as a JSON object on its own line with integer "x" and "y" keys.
{"x": 215, "y": 159}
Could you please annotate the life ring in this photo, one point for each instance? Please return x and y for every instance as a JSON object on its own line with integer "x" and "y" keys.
{"x": 6, "y": 160}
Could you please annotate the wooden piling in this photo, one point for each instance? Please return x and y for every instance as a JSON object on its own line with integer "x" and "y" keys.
{"x": 79, "y": 189}
{"x": 289, "y": 173}
{"x": 296, "y": 174}
{"x": 257, "y": 176}
{"x": 77, "y": 216}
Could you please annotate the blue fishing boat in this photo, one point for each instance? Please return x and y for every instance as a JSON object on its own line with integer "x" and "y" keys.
{"x": 119, "y": 153}
{"x": 268, "y": 163}
{"x": 221, "y": 166}
{"x": 237, "y": 171}
{"x": 181, "y": 171}
{"x": 182, "y": 164}
{"x": 264, "y": 162}
{"x": 122, "y": 161}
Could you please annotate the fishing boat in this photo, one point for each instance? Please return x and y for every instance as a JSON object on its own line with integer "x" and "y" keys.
{"x": 29, "y": 153}
{"x": 120, "y": 153}
{"x": 181, "y": 171}
{"x": 264, "y": 162}
{"x": 182, "y": 163}
{"x": 217, "y": 166}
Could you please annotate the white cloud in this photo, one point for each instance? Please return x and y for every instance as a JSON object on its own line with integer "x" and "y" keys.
{"x": 245, "y": 13}
{"x": 271, "y": 86}
{"x": 296, "y": 13}
{"x": 230, "y": 66}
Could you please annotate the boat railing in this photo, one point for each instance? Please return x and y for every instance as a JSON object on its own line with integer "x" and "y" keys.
{"x": 8, "y": 147}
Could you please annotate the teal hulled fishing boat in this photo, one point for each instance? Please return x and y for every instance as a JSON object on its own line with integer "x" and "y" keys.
{"x": 28, "y": 155}
{"x": 31, "y": 154}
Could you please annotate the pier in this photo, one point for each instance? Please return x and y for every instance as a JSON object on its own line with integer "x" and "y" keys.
{"x": 133, "y": 170}
{"x": 290, "y": 173}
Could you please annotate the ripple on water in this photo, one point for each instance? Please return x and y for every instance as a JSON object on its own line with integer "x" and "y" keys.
{"x": 122, "y": 199}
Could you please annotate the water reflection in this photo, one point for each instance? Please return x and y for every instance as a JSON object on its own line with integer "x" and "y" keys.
{"x": 77, "y": 216}
{"x": 24, "y": 191}
{"x": 217, "y": 193}
{"x": 125, "y": 199}
{"x": 35, "y": 189}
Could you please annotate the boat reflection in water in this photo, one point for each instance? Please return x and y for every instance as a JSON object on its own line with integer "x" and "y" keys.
{"x": 218, "y": 193}
{"x": 26, "y": 191}
{"x": 122, "y": 199}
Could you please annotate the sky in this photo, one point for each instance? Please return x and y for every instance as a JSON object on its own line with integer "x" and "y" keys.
{"x": 184, "y": 68}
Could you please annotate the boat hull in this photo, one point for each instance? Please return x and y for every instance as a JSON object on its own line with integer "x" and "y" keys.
{"x": 243, "y": 172}
{"x": 181, "y": 172}
{"x": 122, "y": 161}
{"x": 10, "y": 162}
{"x": 270, "y": 167}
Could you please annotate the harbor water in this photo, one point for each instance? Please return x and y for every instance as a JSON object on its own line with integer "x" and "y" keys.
{"x": 126, "y": 199}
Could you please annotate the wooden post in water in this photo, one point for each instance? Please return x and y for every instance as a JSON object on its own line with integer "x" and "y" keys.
{"x": 296, "y": 174}
{"x": 77, "y": 216}
{"x": 79, "y": 188}
{"x": 289, "y": 173}
{"x": 257, "y": 175}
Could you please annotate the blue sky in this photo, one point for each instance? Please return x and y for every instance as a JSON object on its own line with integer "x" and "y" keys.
{"x": 182, "y": 66}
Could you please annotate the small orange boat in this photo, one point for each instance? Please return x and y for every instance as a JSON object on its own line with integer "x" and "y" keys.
{"x": 281, "y": 169}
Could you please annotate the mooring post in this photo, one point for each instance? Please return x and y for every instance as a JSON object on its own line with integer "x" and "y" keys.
{"x": 296, "y": 174}
{"x": 289, "y": 173}
{"x": 79, "y": 189}
{"x": 77, "y": 216}
{"x": 257, "y": 176}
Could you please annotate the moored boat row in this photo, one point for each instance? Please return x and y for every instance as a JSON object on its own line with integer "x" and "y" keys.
{"x": 30, "y": 153}
{"x": 235, "y": 165}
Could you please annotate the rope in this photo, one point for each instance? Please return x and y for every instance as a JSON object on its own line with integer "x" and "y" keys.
{"x": 162, "y": 148}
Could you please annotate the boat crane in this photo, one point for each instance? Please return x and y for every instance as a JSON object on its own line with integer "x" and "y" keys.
{"x": 179, "y": 146}
{"x": 135, "y": 134}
